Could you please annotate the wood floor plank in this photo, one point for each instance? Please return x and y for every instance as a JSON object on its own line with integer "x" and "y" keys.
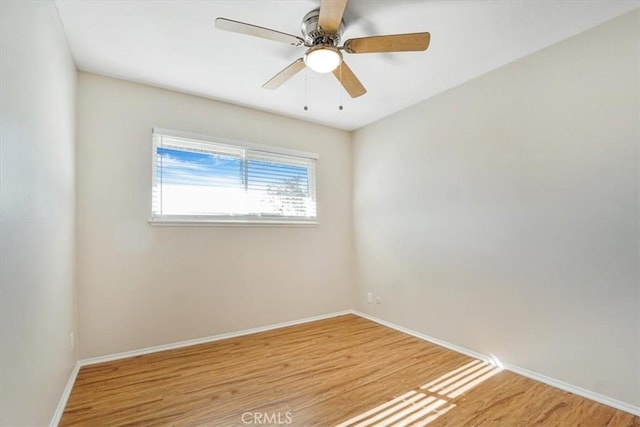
{"x": 343, "y": 371}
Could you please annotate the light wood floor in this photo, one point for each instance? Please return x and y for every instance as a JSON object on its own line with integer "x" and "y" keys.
{"x": 344, "y": 371}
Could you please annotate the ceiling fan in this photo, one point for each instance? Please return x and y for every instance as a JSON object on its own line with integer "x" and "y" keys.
{"x": 322, "y": 29}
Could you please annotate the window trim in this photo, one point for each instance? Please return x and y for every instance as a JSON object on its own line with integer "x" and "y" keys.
{"x": 229, "y": 220}
{"x": 233, "y": 143}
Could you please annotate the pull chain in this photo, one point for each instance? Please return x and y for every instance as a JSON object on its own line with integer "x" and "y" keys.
{"x": 306, "y": 90}
{"x": 341, "y": 87}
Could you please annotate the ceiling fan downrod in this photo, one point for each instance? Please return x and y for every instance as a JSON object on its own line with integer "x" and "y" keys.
{"x": 316, "y": 36}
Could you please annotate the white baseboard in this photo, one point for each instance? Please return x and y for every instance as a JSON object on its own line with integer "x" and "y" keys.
{"x": 180, "y": 344}
{"x": 588, "y": 394}
{"x": 57, "y": 415}
{"x": 422, "y": 336}
{"x": 605, "y": 400}
{"x": 521, "y": 371}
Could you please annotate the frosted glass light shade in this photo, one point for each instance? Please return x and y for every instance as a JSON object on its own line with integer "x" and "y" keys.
{"x": 323, "y": 59}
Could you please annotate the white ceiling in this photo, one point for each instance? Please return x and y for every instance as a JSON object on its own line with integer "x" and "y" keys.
{"x": 174, "y": 45}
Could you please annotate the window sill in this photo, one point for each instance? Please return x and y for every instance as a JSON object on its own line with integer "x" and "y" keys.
{"x": 161, "y": 222}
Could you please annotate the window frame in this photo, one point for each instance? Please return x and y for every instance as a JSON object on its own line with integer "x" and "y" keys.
{"x": 230, "y": 220}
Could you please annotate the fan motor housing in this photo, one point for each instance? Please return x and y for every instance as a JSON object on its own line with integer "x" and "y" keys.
{"x": 314, "y": 35}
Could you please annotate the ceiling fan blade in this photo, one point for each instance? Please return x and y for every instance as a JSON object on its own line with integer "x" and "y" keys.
{"x": 349, "y": 80}
{"x": 284, "y": 75}
{"x": 331, "y": 12}
{"x": 254, "y": 30}
{"x": 391, "y": 43}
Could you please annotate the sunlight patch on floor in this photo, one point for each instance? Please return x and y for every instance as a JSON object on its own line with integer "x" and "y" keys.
{"x": 425, "y": 404}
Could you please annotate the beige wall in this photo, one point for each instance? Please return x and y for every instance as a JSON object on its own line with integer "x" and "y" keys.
{"x": 502, "y": 215}
{"x": 37, "y": 197}
{"x": 142, "y": 285}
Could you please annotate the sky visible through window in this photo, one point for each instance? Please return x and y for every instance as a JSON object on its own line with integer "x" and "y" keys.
{"x": 202, "y": 183}
{"x": 177, "y": 167}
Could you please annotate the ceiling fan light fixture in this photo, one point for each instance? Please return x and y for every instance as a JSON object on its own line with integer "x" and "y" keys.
{"x": 323, "y": 59}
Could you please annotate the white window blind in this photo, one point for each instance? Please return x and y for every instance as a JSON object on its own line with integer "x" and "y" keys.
{"x": 198, "y": 180}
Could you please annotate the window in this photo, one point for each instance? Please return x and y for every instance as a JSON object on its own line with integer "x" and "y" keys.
{"x": 202, "y": 179}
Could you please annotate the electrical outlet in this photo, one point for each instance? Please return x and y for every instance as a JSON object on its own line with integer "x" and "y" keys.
{"x": 370, "y": 297}
{"x": 72, "y": 340}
